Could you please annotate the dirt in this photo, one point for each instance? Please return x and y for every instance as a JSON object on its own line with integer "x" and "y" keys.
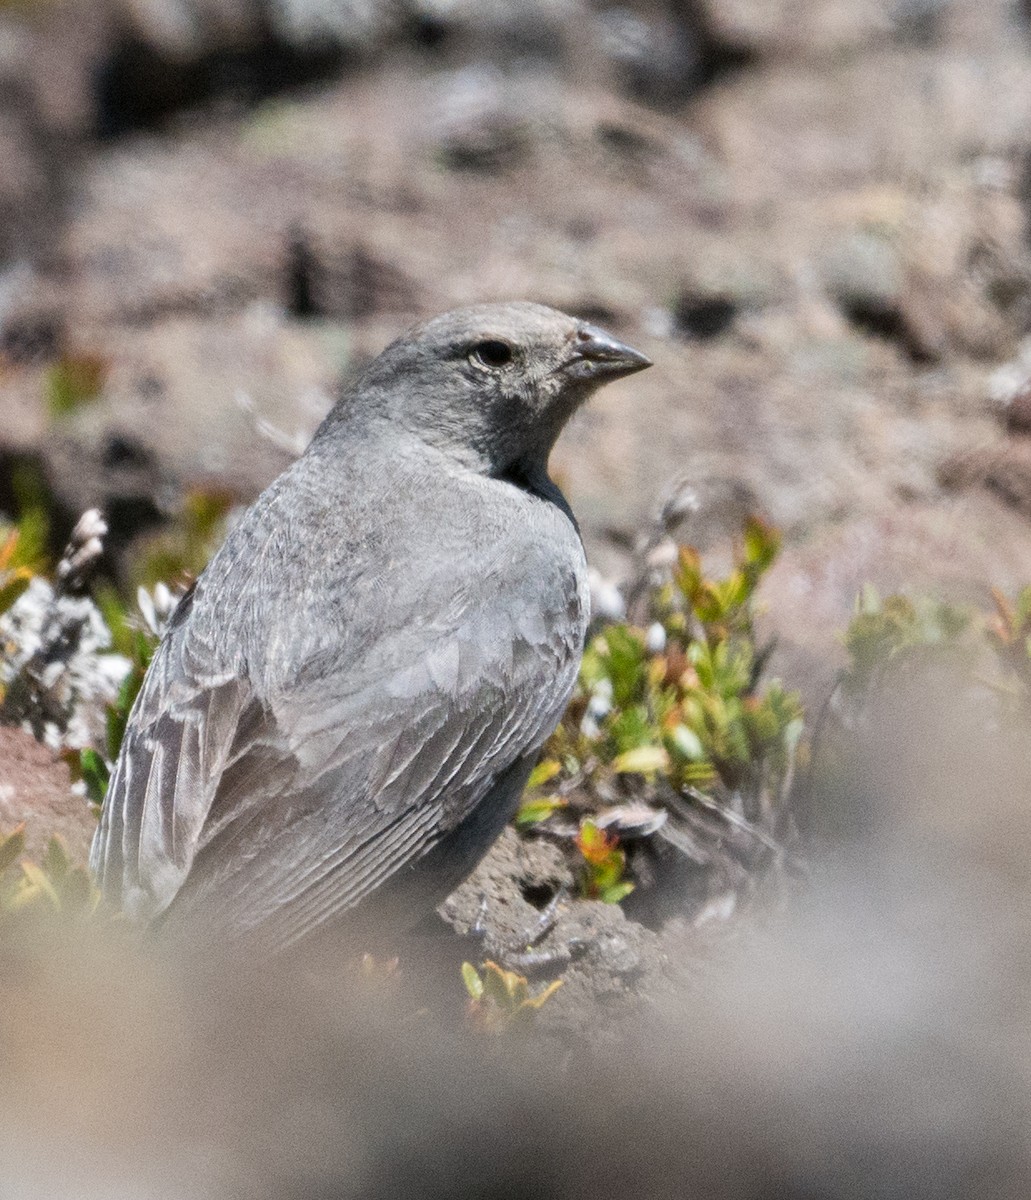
{"x": 36, "y": 790}
{"x": 523, "y": 907}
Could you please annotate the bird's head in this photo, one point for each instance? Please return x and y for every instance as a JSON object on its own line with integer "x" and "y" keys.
{"x": 492, "y": 385}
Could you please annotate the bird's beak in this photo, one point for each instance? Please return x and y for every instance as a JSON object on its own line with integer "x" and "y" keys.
{"x": 597, "y": 355}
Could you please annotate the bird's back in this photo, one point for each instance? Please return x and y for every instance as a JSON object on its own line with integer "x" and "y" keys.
{"x": 338, "y": 696}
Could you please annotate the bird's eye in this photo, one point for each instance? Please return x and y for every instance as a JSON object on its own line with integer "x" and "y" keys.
{"x": 492, "y": 353}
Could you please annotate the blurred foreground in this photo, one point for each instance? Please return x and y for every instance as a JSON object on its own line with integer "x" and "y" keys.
{"x": 870, "y": 1040}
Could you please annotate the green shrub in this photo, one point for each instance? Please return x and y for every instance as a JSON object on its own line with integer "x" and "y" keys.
{"x": 670, "y": 713}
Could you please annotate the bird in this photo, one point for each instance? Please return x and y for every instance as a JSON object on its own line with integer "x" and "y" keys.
{"x": 345, "y": 707}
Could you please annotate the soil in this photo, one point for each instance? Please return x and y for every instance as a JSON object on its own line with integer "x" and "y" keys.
{"x": 36, "y": 790}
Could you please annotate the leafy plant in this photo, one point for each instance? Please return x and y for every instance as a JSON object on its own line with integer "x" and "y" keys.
{"x": 671, "y": 719}
{"x": 604, "y": 862}
{"x": 499, "y": 999}
{"x": 136, "y": 641}
{"x": 74, "y": 380}
{"x": 177, "y": 554}
{"x": 53, "y": 886}
{"x": 23, "y": 544}
{"x": 89, "y": 765}
{"x": 893, "y": 637}
{"x": 1009, "y": 633}
{"x": 540, "y": 807}
{"x": 15, "y": 575}
{"x": 895, "y": 634}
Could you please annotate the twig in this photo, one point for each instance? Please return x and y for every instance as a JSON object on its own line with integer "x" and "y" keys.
{"x": 736, "y": 820}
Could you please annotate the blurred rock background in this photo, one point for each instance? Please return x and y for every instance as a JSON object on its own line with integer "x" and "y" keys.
{"x": 812, "y": 213}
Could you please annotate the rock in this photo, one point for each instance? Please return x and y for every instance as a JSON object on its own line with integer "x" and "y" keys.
{"x": 823, "y": 27}
{"x": 1004, "y": 470}
{"x": 53, "y": 52}
{"x": 603, "y": 959}
{"x": 656, "y": 60}
{"x": 1018, "y": 410}
{"x": 30, "y": 181}
{"x": 751, "y": 242}
{"x": 508, "y": 890}
{"x": 919, "y": 22}
{"x": 482, "y": 125}
{"x": 941, "y": 548}
{"x": 194, "y": 404}
{"x": 865, "y": 269}
{"x": 868, "y": 279}
{"x": 358, "y": 26}
{"x": 515, "y": 33}
{"x": 617, "y": 969}
{"x": 1009, "y": 389}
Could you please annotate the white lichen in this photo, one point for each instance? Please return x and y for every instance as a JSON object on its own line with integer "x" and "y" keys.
{"x": 57, "y": 672}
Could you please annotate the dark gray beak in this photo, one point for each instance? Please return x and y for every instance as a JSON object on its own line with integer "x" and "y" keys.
{"x": 597, "y": 355}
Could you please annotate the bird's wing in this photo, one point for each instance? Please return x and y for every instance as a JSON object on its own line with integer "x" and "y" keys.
{"x": 291, "y": 803}
{"x": 187, "y": 719}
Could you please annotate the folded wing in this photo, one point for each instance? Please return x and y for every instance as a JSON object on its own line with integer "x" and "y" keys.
{"x": 280, "y": 785}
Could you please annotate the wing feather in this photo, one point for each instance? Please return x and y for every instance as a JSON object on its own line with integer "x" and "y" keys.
{"x": 278, "y": 783}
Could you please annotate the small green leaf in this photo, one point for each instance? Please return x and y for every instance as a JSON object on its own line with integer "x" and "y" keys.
{"x": 118, "y": 713}
{"x": 95, "y": 775}
{"x": 39, "y": 883}
{"x": 535, "y": 1002}
{"x": 544, "y": 772}
{"x": 868, "y": 601}
{"x": 12, "y": 588}
{"x": 55, "y": 860}
{"x": 473, "y": 982}
{"x": 616, "y": 892}
{"x": 641, "y": 761}
{"x": 688, "y": 743}
{"x": 762, "y": 544}
{"x": 535, "y": 811}
{"x": 74, "y": 381}
{"x": 625, "y": 658}
{"x": 12, "y": 847}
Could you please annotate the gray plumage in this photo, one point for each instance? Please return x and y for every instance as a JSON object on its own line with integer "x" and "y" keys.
{"x": 349, "y": 701}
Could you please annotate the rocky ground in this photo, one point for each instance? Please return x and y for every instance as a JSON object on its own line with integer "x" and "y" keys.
{"x": 813, "y": 216}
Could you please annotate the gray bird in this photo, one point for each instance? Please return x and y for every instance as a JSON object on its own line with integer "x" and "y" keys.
{"x": 346, "y": 706}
